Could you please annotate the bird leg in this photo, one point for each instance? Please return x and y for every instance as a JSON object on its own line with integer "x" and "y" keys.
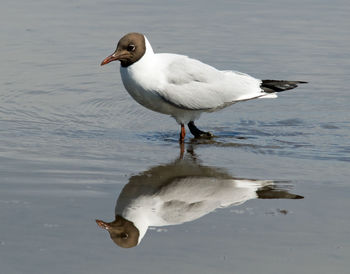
{"x": 182, "y": 134}
{"x": 182, "y": 150}
{"x": 197, "y": 133}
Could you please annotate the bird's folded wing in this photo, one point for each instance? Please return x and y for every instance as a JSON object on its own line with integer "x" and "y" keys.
{"x": 191, "y": 84}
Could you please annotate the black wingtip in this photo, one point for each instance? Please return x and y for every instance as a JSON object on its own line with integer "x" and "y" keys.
{"x": 271, "y": 86}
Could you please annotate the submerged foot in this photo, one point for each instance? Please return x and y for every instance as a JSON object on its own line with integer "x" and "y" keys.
{"x": 204, "y": 134}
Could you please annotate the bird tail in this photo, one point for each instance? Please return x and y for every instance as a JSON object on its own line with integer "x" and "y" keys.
{"x": 271, "y": 86}
{"x": 271, "y": 192}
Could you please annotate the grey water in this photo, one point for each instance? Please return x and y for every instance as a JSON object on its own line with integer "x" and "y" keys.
{"x": 72, "y": 141}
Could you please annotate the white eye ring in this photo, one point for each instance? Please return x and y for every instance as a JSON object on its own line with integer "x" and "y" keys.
{"x": 124, "y": 235}
{"x": 131, "y": 47}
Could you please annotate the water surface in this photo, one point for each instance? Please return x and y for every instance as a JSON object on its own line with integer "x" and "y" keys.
{"x": 71, "y": 138}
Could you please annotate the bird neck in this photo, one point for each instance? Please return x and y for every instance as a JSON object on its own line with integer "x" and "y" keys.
{"x": 149, "y": 49}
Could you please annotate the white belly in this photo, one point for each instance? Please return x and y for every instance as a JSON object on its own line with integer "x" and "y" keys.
{"x": 146, "y": 95}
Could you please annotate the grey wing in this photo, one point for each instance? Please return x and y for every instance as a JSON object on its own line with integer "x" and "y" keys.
{"x": 193, "y": 85}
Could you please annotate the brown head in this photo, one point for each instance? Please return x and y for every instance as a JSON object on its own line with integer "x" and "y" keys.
{"x": 122, "y": 232}
{"x": 130, "y": 49}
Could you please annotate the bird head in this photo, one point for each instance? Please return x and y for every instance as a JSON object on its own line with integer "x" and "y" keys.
{"x": 130, "y": 49}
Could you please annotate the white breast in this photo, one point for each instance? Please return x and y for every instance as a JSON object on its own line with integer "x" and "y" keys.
{"x": 144, "y": 81}
{"x": 141, "y": 86}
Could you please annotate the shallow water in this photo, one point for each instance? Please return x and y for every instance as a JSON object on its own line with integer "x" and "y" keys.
{"x": 71, "y": 138}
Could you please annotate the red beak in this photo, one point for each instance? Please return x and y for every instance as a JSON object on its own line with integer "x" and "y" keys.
{"x": 110, "y": 58}
{"x": 117, "y": 55}
{"x": 103, "y": 224}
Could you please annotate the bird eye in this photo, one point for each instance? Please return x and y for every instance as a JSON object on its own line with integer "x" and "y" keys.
{"x": 124, "y": 235}
{"x": 131, "y": 47}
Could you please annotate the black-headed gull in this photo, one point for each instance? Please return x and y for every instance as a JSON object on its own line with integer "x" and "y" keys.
{"x": 180, "y": 192}
{"x": 182, "y": 87}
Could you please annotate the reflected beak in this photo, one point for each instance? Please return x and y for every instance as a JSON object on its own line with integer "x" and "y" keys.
{"x": 118, "y": 55}
{"x": 103, "y": 224}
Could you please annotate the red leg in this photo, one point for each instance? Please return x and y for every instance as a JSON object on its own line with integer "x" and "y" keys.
{"x": 182, "y": 150}
{"x": 182, "y": 134}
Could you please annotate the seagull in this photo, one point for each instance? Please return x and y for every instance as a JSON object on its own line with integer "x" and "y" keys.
{"x": 183, "y": 87}
{"x": 178, "y": 192}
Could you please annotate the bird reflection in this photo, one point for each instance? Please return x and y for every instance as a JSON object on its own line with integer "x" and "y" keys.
{"x": 179, "y": 192}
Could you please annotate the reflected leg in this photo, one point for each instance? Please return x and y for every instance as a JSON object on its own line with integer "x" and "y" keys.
{"x": 182, "y": 134}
